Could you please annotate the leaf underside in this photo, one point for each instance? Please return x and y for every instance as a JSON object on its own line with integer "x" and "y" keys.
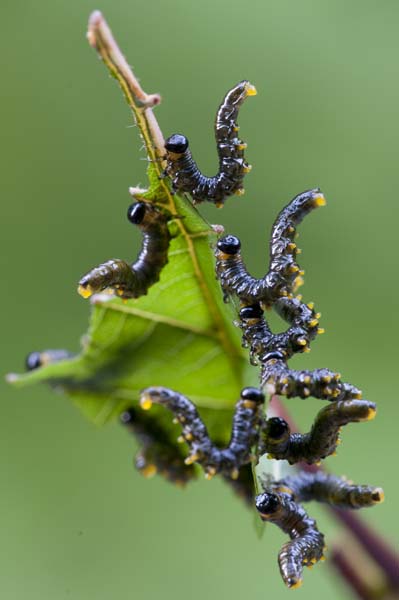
{"x": 180, "y": 335}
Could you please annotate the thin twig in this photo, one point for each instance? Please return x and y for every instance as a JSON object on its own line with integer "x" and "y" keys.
{"x": 101, "y": 39}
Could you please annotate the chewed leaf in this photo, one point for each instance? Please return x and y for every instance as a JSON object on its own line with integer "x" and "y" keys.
{"x": 179, "y": 335}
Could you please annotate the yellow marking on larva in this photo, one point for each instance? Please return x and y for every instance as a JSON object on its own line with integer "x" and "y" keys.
{"x": 247, "y": 168}
{"x": 299, "y": 297}
{"x": 248, "y": 404}
{"x": 241, "y": 146}
{"x": 189, "y": 437}
{"x": 313, "y": 323}
{"x": 175, "y": 421}
{"x": 235, "y": 474}
{"x": 191, "y": 459}
{"x": 299, "y": 251}
{"x": 326, "y": 379}
{"x": 321, "y": 330}
{"x": 301, "y": 272}
{"x": 239, "y": 192}
{"x": 307, "y": 349}
{"x": 180, "y": 439}
{"x": 211, "y": 472}
{"x": 296, "y": 585}
{"x": 291, "y": 246}
{"x": 301, "y": 342}
{"x": 85, "y": 292}
{"x": 145, "y": 402}
{"x": 378, "y": 495}
{"x": 371, "y": 414}
{"x": 307, "y": 379}
{"x": 319, "y": 200}
{"x": 306, "y": 391}
{"x": 284, "y": 380}
{"x": 149, "y": 471}
{"x": 298, "y": 282}
{"x": 318, "y": 315}
{"x": 358, "y": 395}
{"x": 328, "y": 391}
{"x": 251, "y": 90}
{"x": 219, "y": 204}
{"x": 293, "y": 269}
{"x": 310, "y": 305}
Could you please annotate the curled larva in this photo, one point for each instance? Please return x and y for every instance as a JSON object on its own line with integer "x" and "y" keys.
{"x": 323, "y": 438}
{"x": 214, "y": 460}
{"x": 284, "y": 275}
{"x": 132, "y": 281}
{"x": 183, "y": 170}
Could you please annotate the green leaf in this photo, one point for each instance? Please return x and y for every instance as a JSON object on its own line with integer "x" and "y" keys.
{"x": 181, "y": 334}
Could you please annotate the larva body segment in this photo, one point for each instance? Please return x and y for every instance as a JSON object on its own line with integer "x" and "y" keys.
{"x": 323, "y": 438}
{"x": 307, "y": 543}
{"x": 133, "y": 281}
{"x": 330, "y": 489}
{"x": 284, "y": 275}
{"x": 183, "y": 170}
{"x": 202, "y": 450}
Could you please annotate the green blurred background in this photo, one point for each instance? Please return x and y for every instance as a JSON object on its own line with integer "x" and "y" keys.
{"x": 76, "y": 520}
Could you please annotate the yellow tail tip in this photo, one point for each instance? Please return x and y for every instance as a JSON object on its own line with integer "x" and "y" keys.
{"x": 85, "y": 292}
{"x": 251, "y": 90}
{"x": 319, "y": 200}
{"x": 378, "y": 495}
{"x": 145, "y": 402}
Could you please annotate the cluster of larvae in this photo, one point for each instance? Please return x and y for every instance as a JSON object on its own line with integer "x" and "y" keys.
{"x": 253, "y": 434}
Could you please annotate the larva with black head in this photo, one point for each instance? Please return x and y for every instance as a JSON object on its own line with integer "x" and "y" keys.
{"x": 324, "y": 384}
{"x": 183, "y": 170}
{"x": 226, "y": 461}
{"x": 307, "y": 543}
{"x": 323, "y": 438}
{"x": 284, "y": 275}
{"x": 133, "y": 281}
{"x": 279, "y": 504}
{"x": 34, "y": 360}
{"x": 158, "y": 454}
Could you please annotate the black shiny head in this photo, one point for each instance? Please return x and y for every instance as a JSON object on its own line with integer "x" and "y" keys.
{"x": 251, "y": 312}
{"x": 276, "y": 428}
{"x": 229, "y": 244}
{"x": 252, "y": 393}
{"x": 267, "y": 504}
{"x": 176, "y": 143}
{"x": 136, "y": 212}
{"x": 33, "y": 361}
{"x": 273, "y": 355}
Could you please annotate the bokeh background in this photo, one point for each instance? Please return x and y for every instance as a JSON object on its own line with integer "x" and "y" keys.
{"x": 76, "y": 520}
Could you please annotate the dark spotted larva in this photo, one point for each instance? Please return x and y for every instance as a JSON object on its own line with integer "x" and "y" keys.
{"x": 323, "y": 438}
{"x": 307, "y": 543}
{"x": 284, "y": 275}
{"x": 158, "y": 453}
{"x": 330, "y": 489}
{"x": 183, "y": 170}
{"x": 132, "y": 281}
{"x": 278, "y": 378}
{"x": 280, "y": 505}
{"x": 202, "y": 450}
